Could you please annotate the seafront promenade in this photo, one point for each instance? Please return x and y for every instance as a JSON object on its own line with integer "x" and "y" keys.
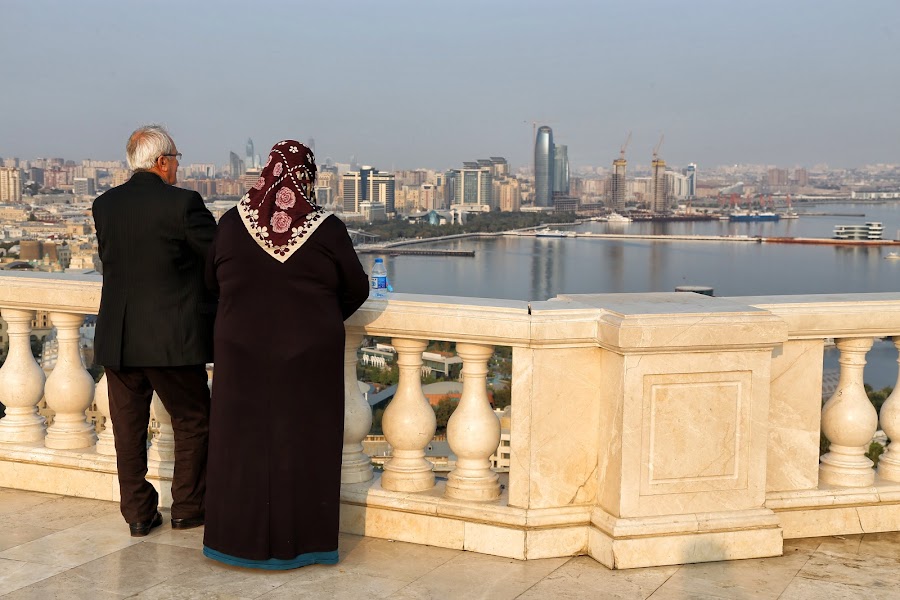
{"x": 534, "y": 232}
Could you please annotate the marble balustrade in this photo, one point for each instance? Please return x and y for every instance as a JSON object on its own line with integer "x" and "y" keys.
{"x": 646, "y": 429}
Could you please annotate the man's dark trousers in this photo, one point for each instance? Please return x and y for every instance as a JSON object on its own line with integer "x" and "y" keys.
{"x": 185, "y": 395}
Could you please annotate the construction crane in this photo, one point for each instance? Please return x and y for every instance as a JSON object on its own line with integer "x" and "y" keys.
{"x": 656, "y": 150}
{"x": 624, "y": 146}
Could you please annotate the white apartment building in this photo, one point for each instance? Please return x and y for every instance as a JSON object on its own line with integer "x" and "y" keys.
{"x": 10, "y": 184}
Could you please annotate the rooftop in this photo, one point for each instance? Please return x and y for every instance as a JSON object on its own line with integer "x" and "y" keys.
{"x": 63, "y": 547}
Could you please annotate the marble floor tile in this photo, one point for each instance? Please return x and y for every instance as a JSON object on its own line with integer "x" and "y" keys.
{"x": 383, "y": 558}
{"x": 139, "y": 567}
{"x": 16, "y": 574}
{"x": 874, "y": 544}
{"x": 583, "y": 577}
{"x": 803, "y": 544}
{"x": 14, "y": 501}
{"x": 760, "y": 578}
{"x": 864, "y": 570}
{"x": 811, "y": 589}
{"x": 76, "y": 545}
{"x": 473, "y": 576}
{"x": 63, "y": 512}
{"x": 211, "y": 579}
{"x": 64, "y": 586}
{"x": 185, "y": 538}
{"x": 665, "y": 593}
{"x": 14, "y": 534}
{"x": 321, "y": 581}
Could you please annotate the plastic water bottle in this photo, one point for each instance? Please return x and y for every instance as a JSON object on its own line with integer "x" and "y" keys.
{"x": 378, "y": 281}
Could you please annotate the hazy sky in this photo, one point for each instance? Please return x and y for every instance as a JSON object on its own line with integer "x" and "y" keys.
{"x": 405, "y": 84}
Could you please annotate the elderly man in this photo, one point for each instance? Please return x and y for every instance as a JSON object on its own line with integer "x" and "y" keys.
{"x": 154, "y": 329}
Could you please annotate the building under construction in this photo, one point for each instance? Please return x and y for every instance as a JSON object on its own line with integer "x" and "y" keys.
{"x": 617, "y": 180}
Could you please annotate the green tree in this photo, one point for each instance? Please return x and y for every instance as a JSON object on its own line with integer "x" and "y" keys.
{"x": 877, "y": 397}
{"x": 442, "y": 412}
{"x": 502, "y": 397}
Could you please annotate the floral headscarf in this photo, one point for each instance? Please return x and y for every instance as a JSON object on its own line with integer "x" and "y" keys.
{"x": 280, "y": 210}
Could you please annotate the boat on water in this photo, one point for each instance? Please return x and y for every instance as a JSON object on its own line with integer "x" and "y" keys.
{"x": 553, "y": 233}
{"x": 791, "y": 214}
{"x": 617, "y": 218}
{"x": 753, "y": 215}
{"x": 892, "y": 256}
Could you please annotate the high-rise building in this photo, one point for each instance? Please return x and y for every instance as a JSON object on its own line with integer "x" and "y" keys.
{"x": 543, "y": 167}
{"x": 658, "y": 189}
{"x": 690, "y": 172}
{"x": 677, "y": 185}
{"x": 561, "y": 170}
{"x": 381, "y": 190}
{"x": 499, "y": 167}
{"x": 356, "y": 184}
{"x": 508, "y": 194}
{"x": 801, "y": 177}
{"x": 10, "y": 184}
{"x": 368, "y": 185}
{"x": 617, "y": 185}
{"x": 472, "y": 185}
{"x": 235, "y": 165}
{"x": 250, "y": 162}
{"x": 83, "y": 186}
{"x": 777, "y": 177}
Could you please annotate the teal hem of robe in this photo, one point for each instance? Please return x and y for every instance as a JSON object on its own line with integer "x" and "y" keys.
{"x": 274, "y": 564}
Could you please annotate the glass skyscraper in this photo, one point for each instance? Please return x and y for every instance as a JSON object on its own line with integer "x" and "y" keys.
{"x": 543, "y": 167}
{"x": 561, "y": 169}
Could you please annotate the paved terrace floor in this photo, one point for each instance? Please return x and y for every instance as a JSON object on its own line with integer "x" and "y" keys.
{"x": 72, "y": 548}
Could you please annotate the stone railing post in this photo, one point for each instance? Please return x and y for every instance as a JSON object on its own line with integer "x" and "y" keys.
{"x": 849, "y": 421}
{"x": 889, "y": 463}
{"x": 69, "y": 389}
{"x": 473, "y": 430}
{"x": 106, "y": 440}
{"x": 409, "y": 424}
{"x": 21, "y": 383}
{"x": 356, "y": 466}
{"x": 162, "y": 444}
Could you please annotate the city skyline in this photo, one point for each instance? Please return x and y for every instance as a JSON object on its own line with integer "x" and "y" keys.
{"x": 800, "y": 83}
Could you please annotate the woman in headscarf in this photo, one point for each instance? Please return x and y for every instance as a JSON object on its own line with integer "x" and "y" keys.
{"x": 287, "y": 276}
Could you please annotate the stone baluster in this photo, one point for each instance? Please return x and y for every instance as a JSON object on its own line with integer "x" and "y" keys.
{"x": 473, "y": 430}
{"x": 162, "y": 444}
{"x": 21, "y": 383}
{"x": 69, "y": 389}
{"x": 356, "y": 466}
{"x": 889, "y": 462}
{"x": 106, "y": 441}
{"x": 408, "y": 424}
{"x": 849, "y": 421}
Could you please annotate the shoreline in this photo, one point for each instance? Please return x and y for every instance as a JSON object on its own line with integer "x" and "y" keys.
{"x": 530, "y": 232}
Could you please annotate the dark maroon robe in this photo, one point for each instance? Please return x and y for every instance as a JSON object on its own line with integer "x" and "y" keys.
{"x": 276, "y": 424}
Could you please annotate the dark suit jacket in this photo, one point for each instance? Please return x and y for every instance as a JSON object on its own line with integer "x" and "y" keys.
{"x": 155, "y": 310}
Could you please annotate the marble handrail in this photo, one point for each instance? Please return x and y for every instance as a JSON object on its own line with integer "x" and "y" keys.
{"x": 647, "y": 429}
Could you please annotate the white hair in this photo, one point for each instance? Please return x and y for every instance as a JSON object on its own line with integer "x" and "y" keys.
{"x": 146, "y": 144}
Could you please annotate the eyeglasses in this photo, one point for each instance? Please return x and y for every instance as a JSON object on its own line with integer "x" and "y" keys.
{"x": 175, "y": 156}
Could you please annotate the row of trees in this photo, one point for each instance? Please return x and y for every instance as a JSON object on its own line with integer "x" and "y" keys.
{"x": 476, "y": 223}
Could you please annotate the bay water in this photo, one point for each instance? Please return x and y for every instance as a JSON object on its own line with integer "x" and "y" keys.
{"x": 530, "y": 268}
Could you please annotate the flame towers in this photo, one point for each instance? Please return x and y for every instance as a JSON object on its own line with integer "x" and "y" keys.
{"x": 543, "y": 167}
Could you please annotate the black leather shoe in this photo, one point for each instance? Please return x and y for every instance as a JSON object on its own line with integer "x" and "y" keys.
{"x": 142, "y": 529}
{"x": 187, "y": 523}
